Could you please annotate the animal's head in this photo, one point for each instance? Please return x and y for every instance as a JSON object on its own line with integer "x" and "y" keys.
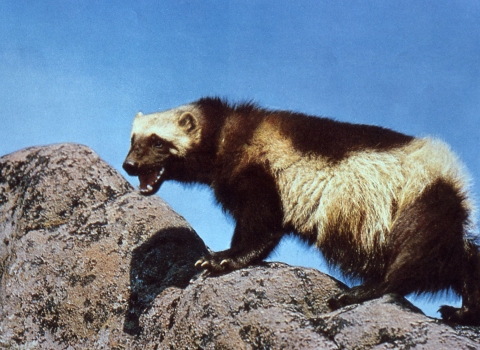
{"x": 158, "y": 142}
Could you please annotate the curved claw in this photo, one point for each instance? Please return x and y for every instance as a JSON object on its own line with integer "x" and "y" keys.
{"x": 224, "y": 262}
{"x": 205, "y": 264}
{"x": 199, "y": 262}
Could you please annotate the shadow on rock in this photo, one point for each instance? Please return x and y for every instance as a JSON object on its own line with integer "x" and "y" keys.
{"x": 166, "y": 260}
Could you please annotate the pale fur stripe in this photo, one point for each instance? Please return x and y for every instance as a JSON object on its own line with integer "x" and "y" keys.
{"x": 357, "y": 194}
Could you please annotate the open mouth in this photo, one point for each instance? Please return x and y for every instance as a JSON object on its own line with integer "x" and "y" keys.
{"x": 150, "y": 182}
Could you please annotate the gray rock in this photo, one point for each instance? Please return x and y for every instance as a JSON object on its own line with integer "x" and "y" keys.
{"x": 87, "y": 263}
{"x": 82, "y": 255}
{"x": 263, "y": 307}
{"x": 390, "y": 322}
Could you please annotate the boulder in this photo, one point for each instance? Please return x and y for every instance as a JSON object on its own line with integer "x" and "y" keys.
{"x": 82, "y": 255}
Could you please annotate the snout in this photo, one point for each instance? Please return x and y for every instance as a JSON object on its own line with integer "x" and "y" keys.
{"x": 131, "y": 167}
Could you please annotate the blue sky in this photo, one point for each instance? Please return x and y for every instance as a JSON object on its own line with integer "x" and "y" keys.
{"x": 78, "y": 71}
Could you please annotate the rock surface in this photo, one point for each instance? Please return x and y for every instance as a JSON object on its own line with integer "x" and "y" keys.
{"x": 82, "y": 255}
{"x": 88, "y": 263}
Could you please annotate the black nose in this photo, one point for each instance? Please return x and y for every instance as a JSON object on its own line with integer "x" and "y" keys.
{"x": 131, "y": 167}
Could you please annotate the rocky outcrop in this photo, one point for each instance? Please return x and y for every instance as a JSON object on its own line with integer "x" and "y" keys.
{"x": 263, "y": 307}
{"x": 283, "y": 307}
{"x": 82, "y": 255}
{"x": 87, "y": 263}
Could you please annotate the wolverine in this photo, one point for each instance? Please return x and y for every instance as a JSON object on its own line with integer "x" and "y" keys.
{"x": 387, "y": 209}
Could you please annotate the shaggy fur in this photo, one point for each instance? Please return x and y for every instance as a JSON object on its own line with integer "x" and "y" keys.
{"x": 386, "y": 208}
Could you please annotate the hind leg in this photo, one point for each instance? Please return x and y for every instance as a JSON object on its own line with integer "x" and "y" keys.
{"x": 406, "y": 264}
{"x": 425, "y": 249}
{"x": 405, "y": 271}
{"x": 469, "y": 313}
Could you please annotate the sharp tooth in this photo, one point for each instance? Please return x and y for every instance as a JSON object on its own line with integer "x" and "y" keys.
{"x": 160, "y": 173}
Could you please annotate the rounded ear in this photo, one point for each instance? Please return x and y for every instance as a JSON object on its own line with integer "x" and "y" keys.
{"x": 139, "y": 114}
{"x": 188, "y": 121}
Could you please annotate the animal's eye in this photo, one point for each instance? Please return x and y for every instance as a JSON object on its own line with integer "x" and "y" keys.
{"x": 157, "y": 143}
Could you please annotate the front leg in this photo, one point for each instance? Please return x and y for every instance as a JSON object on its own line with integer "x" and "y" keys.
{"x": 247, "y": 248}
{"x": 253, "y": 201}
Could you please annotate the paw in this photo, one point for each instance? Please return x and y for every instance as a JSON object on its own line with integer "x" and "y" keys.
{"x": 461, "y": 316}
{"x": 211, "y": 264}
{"x": 354, "y": 295}
{"x": 447, "y": 312}
{"x": 338, "y": 301}
{"x": 218, "y": 263}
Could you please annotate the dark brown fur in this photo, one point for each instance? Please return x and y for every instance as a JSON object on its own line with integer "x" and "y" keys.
{"x": 322, "y": 136}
